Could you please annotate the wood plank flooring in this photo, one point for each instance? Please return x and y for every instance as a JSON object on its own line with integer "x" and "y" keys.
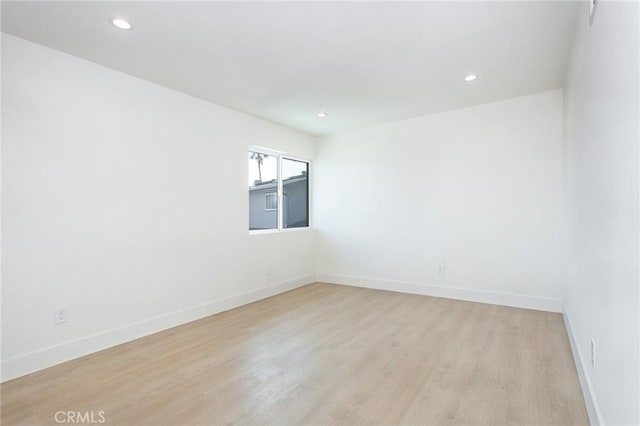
{"x": 319, "y": 355}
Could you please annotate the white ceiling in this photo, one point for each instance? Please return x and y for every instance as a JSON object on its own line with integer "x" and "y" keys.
{"x": 364, "y": 63}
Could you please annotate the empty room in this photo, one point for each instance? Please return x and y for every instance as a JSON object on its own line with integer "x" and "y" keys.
{"x": 320, "y": 213}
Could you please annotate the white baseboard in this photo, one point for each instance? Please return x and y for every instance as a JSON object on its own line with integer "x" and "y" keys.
{"x": 48, "y": 357}
{"x": 496, "y": 298}
{"x": 587, "y": 390}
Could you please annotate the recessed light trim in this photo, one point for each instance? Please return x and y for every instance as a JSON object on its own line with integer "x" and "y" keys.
{"x": 121, "y": 23}
{"x": 470, "y": 77}
{"x": 322, "y": 114}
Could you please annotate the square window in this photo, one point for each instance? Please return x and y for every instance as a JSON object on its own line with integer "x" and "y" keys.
{"x": 271, "y": 201}
{"x": 273, "y": 174}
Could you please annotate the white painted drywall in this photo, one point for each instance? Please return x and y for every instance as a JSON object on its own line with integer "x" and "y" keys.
{"x": 126, "y": 202}
{"x": 365, "y": 62}
{"x": 601, "y": 149}
{"x": 478, "y": 190}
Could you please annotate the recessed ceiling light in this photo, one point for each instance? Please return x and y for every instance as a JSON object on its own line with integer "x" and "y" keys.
{"x": 121, "y": 23}
{"x": 469, "y": 78}
{"x": 322, "y": 114}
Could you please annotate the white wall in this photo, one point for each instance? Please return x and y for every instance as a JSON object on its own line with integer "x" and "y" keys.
{"x": 601, "y": 150}
{"x": 478, "y": 190}
{"x": 121, "y": 200}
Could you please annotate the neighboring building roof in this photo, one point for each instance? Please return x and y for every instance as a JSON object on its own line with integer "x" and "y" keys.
{"x": 273, "y": 183}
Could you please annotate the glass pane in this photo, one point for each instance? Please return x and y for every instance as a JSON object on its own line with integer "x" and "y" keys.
{"x": 263, "y": 191}
{"x": 295, "y": 185}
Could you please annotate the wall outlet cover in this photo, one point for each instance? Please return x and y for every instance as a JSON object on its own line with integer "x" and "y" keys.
{"x": 60, "y": 315}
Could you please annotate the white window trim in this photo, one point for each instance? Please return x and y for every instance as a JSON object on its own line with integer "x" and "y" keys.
{"x": 265, "y": 201}
{"x": 280, "y": 212}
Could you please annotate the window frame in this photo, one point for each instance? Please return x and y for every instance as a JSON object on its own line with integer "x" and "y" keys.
{"x": 280, "y": 210}
{"x": 266, "y": 196}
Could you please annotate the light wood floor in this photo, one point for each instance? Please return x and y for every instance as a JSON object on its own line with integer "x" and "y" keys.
{"x": 324, "y": 354}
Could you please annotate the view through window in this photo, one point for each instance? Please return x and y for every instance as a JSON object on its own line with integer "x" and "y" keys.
{"x": 295, "y": 187}
{"x": 278, "y": 192}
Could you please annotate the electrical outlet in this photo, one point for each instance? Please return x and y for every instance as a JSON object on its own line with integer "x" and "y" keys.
{"x": 593, "y": 354}
{"x": 441, "y": 269}
{"x": 60, "y": 315}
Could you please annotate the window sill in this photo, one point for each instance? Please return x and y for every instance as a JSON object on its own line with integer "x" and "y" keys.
{"x": 278, "y": 231}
